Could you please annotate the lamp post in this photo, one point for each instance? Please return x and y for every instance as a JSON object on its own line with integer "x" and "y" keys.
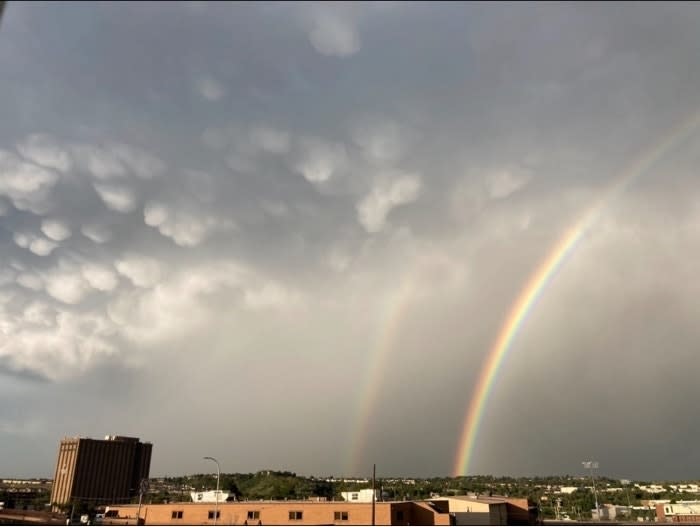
{"x": 143, "y": 488}
{"x": 218, "y": 474}
{"x": 591, "y": 465}
{"x": 374, "y": 474}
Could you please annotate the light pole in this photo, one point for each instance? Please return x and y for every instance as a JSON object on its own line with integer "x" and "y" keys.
{"x": 591, "y": 465}
{"x": 143, "y": 487}
{"x": 218, "y": 474}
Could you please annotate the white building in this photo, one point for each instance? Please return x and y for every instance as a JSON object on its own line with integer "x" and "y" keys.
{"x": 360, "y": 496}
{"x": 566, "y": 490}
{"x": 691, "y": 487}
{"x": 610, "y": 512}
{"x": 209, "y": 496}
{"x": 653, "y": 489}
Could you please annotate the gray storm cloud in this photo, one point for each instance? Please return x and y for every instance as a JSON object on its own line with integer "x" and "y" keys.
{"x": 227, "y": 207}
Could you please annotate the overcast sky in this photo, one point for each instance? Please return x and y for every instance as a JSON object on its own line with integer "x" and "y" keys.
{"x": 211, "y": 214}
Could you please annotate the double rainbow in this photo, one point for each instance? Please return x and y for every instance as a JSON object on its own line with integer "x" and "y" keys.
{"x": 399, "y": 303}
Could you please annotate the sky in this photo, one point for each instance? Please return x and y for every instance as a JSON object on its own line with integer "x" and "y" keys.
{"x": 287, "y": 235}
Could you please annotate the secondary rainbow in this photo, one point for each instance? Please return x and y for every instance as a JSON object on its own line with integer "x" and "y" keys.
{"x": 395, "y": 310}
{"x": 539, "y": 280}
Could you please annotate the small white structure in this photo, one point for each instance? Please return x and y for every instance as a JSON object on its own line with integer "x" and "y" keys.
{"x": 209, "y": 496}
{"x": 360, "y": 496}
{"x": 566, "y": 490}
{"x": 609, "y": 512}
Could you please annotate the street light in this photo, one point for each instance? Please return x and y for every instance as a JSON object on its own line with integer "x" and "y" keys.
{"x": 143, "y": 488}
{"x": 591, "y": 465}
{"x": 218, "y": 474}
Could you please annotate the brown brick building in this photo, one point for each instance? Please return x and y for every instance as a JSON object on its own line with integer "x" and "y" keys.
{"x": 99, "y": 471}
{"x": 681, "y": 512}
{"x": 461, "y": 510}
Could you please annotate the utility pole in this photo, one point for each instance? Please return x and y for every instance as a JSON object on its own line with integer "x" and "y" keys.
{"x": 374, "y": 473}
{"x": 591, "y": 465}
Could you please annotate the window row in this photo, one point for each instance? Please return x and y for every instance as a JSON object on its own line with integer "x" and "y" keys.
{"x": 255, "y": 515}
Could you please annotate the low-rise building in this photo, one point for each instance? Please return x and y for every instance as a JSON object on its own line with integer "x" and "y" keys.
{"x": 360, "y": 496}
{"x": 609, "y": 512}
{"x": 566, "y": 490}
{"x": 680, "y": 512}
{"x": 651, "y": 489}
{"x": 210, "y": 496}
{"x": 275, "y": 513}
{"x": 460, "y": 510}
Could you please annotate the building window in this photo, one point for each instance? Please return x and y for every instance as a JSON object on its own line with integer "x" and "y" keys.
{"x": 399, "y": 515}
{"x": 176, "y": 515}
{"x": 211, "y": 515}
{"x": 340, "y": 516}
{"x": 296, "y": 515}
{"x": 253, "y": 515}
{"x": 355, "y": 496}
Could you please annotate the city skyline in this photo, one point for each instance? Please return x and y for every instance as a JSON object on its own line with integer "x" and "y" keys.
{"x": 313, "y": 237}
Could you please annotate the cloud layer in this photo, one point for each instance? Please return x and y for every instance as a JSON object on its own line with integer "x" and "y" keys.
{"x": 254, "y": 203}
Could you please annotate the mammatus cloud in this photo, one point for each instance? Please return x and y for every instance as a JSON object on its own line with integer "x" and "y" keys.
{"x": 118, "y": 198}
{"x": 381, "y": 141}
{"x": 102, "y": 163}
{"x": 184, "y": 228}
{"x": 320, "y": 160}
{"x": 116, "y": 160}
{"x": 38, "y": 245}
{"x": 333, "y": 33}
{"x": 503, "y": 183}
{"x": 43, "y": 150}
{"x": 210, "y": 89}
{"x": 138, "y": 162}
{"x": 82, "y": 338}
{"x": 56, "y": 230}
{"x": 283, "y": 194}
{"x": 141, "y": 270}
{"x": 26, "y": 185}
{"x": 374, "y": 208}
{"x": 42, "y": 246}
{"x": 96, "y": 233}
{"x": 100, "y": 277}
{"x": 30, "y": 281}
{"x": 271, "y": 295}
{"x": 269, "y": 139}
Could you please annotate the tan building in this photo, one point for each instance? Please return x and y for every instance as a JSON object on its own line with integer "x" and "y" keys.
{"x": 276, "y": 513}
{"x": 681, "y": 512}
{"x": 441, "y": 511}
{"x": 99, "y": 471}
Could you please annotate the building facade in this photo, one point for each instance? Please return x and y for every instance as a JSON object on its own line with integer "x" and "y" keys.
{"x": 440, "y": 511}
{"x": 680, "y": 512}
{"x": 99, "y": 471}
{"x": 360, "y": 496}
{"x": 610, "y": 512}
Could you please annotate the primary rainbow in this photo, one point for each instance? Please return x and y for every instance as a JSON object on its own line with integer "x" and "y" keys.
{"x": 541, "y": 277}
